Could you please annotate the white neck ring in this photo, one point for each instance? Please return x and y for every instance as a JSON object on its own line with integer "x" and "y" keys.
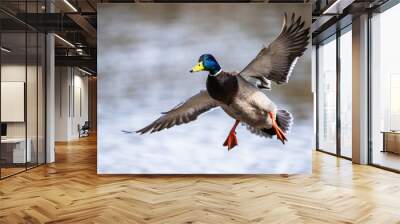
{"x": 216, "y": 73}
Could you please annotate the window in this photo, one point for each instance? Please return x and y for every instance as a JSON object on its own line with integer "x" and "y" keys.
{"x": 327, "y": 95}
{"x": 334, "y": 106}
{"x": 346, "y": 92}
{"x": 385, "y": 89}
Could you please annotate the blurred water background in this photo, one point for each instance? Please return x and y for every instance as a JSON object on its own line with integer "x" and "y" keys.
{"x": 145, "y": 52}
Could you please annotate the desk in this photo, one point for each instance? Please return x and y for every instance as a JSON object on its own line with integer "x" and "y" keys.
{"x": 391, "y": 141}
{"x": 17, "y": 150}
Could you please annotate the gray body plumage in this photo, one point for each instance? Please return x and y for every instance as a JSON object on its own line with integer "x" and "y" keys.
{"x": 250, "y": 106}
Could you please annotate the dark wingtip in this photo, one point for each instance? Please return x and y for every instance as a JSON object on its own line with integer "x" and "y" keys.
{"x": 126, "y": 132}
{"x": 142, "y": 131}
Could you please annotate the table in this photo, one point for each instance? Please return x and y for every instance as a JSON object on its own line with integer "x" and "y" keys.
{"x": 18, "y": 149}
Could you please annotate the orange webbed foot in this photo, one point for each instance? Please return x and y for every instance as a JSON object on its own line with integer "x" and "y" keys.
{"x": 279, "y": 133}
{"x": 231, "y": 141}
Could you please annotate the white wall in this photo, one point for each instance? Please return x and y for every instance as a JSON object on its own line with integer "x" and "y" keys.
{"x": 34, "y": 125}
{"x": 71, "y": 102}
{"x": 80, "y": 109}
{"x": 15, "y": 72}
{"x": 12, "y": 73}
{"x": 62, "y": 81}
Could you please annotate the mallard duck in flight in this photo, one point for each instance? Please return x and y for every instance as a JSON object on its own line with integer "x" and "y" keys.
{"x": 239, "y": 94}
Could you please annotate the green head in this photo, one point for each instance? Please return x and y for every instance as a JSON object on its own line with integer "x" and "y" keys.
{"x": 207, "y": 62}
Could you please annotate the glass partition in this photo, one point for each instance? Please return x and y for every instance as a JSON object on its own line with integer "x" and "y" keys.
{"x": 41, "y": 96}
{"x": 346, "y": 92}
{"x": 14, "y": 153}
{"x": 385, "y": 89}
{"x": 32, "y": 95}
{"x": 327, "y": 95}
{"x": 22, "y": 101}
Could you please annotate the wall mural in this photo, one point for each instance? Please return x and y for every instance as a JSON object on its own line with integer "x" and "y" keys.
{"x": 227, "y": 64}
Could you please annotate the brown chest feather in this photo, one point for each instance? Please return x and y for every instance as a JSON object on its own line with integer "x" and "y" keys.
{"x": 222, "y": 87}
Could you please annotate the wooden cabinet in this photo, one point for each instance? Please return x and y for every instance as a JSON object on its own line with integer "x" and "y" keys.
{"x": 391, "y": 142}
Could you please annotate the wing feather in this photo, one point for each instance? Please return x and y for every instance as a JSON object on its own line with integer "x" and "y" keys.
{"x": 182, "y": 113}
{"x": 276, "y": 62}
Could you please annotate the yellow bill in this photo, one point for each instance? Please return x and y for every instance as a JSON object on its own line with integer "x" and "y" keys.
{"x": 197, "y": 68}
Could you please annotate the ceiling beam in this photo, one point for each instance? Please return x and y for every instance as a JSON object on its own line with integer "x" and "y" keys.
{"x": 86, "y": 26}
{"x": 81, "y": 61}
{"x": 49, "y": 22}
{"x": 337, "y": 7}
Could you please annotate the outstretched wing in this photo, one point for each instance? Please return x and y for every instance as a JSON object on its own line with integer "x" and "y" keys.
{"x": 277, "y": 61}
{"x": 183, "y": 113}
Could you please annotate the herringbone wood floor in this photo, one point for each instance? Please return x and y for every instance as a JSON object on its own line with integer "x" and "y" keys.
{"x": 70, "y": 191}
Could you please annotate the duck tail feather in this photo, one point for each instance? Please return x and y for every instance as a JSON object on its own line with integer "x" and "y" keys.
{"x": 284, "y": 120}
